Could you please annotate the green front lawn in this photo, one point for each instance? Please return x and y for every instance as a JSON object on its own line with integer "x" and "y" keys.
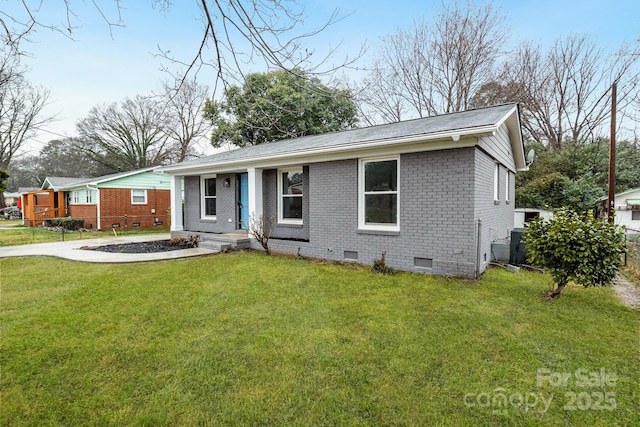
{"x": 246, "y": 339}
{"x": 20, "y": 235}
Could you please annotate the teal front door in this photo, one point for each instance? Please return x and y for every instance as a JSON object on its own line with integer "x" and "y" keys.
{"x": 243, "y": 200}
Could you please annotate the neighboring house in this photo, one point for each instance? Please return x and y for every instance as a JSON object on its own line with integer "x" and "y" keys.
{"x": 524, "y": 215}
{"x": 627, "y": 206}
{"x": 431, "y": 193}
{"x": 10, "y": 199}
{"x": 134, "y": 199}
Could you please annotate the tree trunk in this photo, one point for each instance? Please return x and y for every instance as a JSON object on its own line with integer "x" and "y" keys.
{"x": 553, "y": 294}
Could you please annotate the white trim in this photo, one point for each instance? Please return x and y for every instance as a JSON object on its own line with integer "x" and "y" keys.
{"x": 98, "y": 210}
{"x": 281, "y": 219}
{"x": 506, "y": 186}
{"x": 145, "y": 196}
{"x": 202, "y": 197}
{"x": 255, "y": 193}
{"x": 496, "y": 182}
{"x": 176, "y": 203}
{"x": 362, "y": 225}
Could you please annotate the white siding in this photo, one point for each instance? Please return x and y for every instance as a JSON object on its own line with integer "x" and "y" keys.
{"x": 146, "y": 180}
{"x": 499, "y": 147}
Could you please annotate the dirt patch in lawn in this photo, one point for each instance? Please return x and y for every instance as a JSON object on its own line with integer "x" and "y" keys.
{"x": 627, "y": 293}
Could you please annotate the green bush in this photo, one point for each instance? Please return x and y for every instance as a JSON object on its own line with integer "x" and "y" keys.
{"x": 573, "y": 247}
{"x": 66, "y": 223}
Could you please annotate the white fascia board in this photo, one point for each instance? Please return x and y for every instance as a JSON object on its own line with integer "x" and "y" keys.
{"x": 512, "y": 121}
{"x": 432, "y": 142}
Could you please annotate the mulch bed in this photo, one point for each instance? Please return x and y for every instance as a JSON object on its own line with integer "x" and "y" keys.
{"x": 140, "y": 248}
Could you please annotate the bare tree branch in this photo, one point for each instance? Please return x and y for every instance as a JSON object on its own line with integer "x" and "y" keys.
{"x": 21, "y": 106}
{"x": 437, "y": 68}
{"x": 566, "y": 93}
{"x": 239, "y": 33}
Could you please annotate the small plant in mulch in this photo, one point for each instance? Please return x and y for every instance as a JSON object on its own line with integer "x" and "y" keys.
{"x": 380, "y": 265}
{"x": 191, "y": 241}
{"x": 261, "y": 228}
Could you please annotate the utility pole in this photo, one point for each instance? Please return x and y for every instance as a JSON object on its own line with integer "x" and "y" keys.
{"x": 612, "y": 156}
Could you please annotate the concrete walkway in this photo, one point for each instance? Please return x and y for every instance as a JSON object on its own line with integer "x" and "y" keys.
{"x": 72, "y": 250}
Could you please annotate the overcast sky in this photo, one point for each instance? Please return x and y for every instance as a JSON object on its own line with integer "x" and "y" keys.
{"x": 104, "y": 66}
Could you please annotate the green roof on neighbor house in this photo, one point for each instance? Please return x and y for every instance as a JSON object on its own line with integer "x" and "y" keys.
{"x": 141, "y": 178}
{"x": 452, "y": 127}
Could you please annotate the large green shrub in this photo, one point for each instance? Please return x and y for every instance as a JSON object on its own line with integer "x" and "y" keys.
{"x": 575, "y": 247}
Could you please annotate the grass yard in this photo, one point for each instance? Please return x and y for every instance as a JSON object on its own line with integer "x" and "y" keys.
{"x": 246, "y": 339}
{"x": 20, "y": 235}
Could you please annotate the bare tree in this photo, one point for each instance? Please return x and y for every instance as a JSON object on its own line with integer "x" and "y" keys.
{"x": 21, "y": 105}
{"x": 565, "y": 92}
{"x": 433, "y": 69}
{"x": 238, "y": 32}
{"x": 184, "y": 108}
{"x": 128, "y": 136}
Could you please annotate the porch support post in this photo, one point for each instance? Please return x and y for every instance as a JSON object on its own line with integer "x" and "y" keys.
{"x": 176, "y": 203}
{"x": 255, "y": 192}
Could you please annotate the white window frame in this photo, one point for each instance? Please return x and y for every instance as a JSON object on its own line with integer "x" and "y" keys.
{"x": 82, "y": 197}
{"x": 132, "y": 196}
{"x": 496, "y": 183}
{"x": 506, "y": 186}
{"x": 281, "y": 194}
{"x": 362, "y": 225}
{"x": 203, "y": 215}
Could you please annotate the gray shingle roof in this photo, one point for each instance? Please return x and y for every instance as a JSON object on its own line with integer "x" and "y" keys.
{"x": 60, "y": 181}
{"x": 446, "y": 123}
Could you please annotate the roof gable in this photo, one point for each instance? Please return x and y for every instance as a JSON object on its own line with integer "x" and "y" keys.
{"x": 57, "y": 182}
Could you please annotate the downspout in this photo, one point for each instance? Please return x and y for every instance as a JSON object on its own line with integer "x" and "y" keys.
{"x": 97, "y": 205}
{"x": 478, "y": 249}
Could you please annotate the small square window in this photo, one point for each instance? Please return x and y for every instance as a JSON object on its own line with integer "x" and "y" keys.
{"x": 138, "y": 197}
{"x": 635, "y": 215}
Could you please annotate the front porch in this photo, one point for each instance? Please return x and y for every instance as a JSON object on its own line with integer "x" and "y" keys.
{"x": 41, "y": 205}
{"x": 217, "y": 241}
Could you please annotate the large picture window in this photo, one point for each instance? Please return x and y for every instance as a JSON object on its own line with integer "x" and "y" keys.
{"x": 379, "y": 194}
{"x": 290, "y": 183}
{"x": 208, "y": 190}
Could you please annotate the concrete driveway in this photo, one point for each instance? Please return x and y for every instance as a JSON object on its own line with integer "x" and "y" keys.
{"x": 72, "y": 250}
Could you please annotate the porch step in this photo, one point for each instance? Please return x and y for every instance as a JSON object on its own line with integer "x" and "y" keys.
{"x": 215, "y": 246}
{"x": 217, "y": 242}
